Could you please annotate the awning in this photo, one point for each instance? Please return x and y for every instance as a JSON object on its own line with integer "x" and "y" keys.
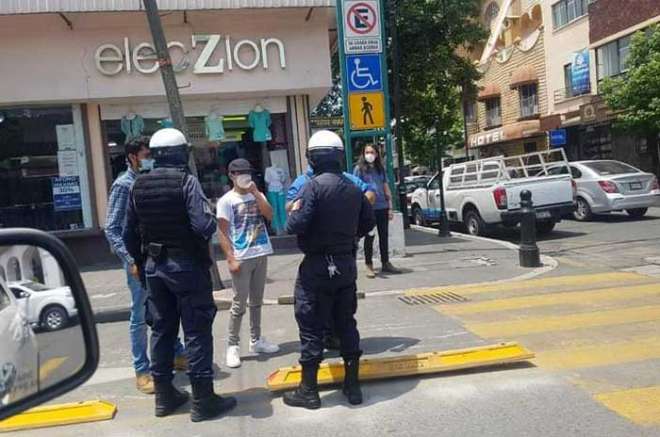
{"x": 524, "y": 75}
{"x": 509, "y": 132}
{"x": 489, "y": 91}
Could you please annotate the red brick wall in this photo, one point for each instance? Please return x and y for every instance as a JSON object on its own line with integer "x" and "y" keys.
{"x": 608, "y": 17}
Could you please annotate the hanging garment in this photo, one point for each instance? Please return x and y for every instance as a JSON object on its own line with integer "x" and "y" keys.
{"x": 260, "y": 123}
{"x": 132, "y": 127}
{"x": 215, "y": 129}
{"x": 278, "y": 200}
{"x": 275, "y": 179}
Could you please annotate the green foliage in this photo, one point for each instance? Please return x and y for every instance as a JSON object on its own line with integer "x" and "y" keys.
{"x": 433, "y": 72}
{"x": 637, "y": 93}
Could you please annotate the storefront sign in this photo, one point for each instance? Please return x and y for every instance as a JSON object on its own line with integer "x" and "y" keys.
{"x": 66, "y": 194}
{"x": 484, "y": 139}
{"x": 580, "y": 82}
{"x": 558, "y": 137}
{"x": 226, "y": 54}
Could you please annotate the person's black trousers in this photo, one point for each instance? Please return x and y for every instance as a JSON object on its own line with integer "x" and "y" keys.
{"x": 382, "y": 223}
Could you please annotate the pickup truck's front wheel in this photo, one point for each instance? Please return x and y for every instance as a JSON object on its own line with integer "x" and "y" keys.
{"x": 418, "y": 216}
{"x": 545, "y": 227}
{"x": 474, "y": 224}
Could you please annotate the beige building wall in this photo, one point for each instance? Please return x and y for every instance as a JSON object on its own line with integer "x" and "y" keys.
{"x": 500, "y": 74}
{"x": 560, "y": 45}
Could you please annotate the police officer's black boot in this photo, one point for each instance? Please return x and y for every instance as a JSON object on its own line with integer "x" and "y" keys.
{"x": 351, "y": 387}
{"x": 307, "y": 393}
{"x": 168, "y": 398}
{"x": 206, "y": 404}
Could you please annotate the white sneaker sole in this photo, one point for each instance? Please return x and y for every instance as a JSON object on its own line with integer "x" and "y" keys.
{"x": 233, "y": 365}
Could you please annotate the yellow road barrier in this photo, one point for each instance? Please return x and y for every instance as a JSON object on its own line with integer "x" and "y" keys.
{"x": 62, "y": 414}
{"x": 409, "y": 365}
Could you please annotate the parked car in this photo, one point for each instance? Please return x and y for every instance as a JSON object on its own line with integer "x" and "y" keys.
{"x": 19, "y": 353}
{"x": 486, "y": 192}
{"x": 45, "y": 307}
{"x": 605, "y": 186}
{"x": 413, "y": 183}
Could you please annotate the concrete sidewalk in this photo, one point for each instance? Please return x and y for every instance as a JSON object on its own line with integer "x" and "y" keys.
{"x": 430, "y": 261}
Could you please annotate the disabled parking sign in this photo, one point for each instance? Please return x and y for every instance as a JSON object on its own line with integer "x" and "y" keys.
{"x": 364, "y": 73}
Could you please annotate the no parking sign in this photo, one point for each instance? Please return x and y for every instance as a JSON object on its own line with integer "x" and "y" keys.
{"x": 362, "y": 27}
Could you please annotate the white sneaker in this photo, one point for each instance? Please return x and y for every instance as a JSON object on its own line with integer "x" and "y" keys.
{"x": 233, "y": 356}
{"x": 262, "y": 346}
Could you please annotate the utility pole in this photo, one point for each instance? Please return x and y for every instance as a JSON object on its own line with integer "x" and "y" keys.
{"x": 174, "y": 101}
{"x": 396, "y": 73}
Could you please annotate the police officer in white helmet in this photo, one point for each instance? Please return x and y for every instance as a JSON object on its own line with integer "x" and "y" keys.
{"x": 329, "y": 218}
{"x": 169, "y": 225}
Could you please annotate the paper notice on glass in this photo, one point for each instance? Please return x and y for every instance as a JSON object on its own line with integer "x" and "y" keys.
{"x": 67, "y": 163}
{"x": 65, "y": 137}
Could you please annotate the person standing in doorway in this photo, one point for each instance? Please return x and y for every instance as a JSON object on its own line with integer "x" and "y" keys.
{"x": 242, "y": 215}
{"x": 138, "y": 161}
{"x": 371, "y": 170}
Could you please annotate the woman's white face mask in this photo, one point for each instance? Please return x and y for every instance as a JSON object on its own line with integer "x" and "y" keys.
{"x": 370, "y": 157}
{"x": 243, "y": 181}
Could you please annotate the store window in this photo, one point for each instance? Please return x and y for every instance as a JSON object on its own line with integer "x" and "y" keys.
{"x": 493, "y": 112}
{"x": 213, "y": 147}
{"x": 565, "y": 12}
{"x": 613, "y": 58}
{"x": 529, "y": 100}
{"x": 43, "y": 171}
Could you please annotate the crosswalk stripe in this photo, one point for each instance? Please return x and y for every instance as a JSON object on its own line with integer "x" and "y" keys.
{"x": 578, "y": 281}
{"x": 504, "y": 329}
{"x": 567, "y": 298}
{"x": 640, "y": 405}
{"x": 597, "y": 355}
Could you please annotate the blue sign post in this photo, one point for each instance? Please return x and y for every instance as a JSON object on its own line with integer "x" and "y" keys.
{"x": 558, "y": 137}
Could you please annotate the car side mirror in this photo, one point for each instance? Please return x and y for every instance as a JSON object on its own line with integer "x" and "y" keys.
{"x": 42, "y": 355}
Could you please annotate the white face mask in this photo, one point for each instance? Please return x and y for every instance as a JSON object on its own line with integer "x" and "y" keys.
{"x": 243, "y": 181}
{"x": 370, "y": 158}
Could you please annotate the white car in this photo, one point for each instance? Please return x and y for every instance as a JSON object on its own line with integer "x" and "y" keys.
{"x": 19, "y": 353}
{"x": 45, "y": 307}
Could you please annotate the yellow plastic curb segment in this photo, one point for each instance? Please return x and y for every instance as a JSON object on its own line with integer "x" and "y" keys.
{"x": 61, "y": 414}
{"x": 409, "y": 365}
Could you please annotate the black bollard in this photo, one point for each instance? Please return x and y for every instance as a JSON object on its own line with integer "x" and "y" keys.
{"x": 529, "y": 251}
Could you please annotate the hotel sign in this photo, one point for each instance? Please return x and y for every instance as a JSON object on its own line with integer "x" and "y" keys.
{"x": 219, "y": 54}
{"x": 484, "y": 139}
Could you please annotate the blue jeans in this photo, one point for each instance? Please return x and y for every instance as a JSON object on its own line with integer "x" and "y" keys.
{"x": 138, "y": 327}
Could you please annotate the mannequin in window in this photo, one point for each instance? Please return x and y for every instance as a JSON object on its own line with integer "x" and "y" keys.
{"x": 260, "y": 122}
{"x": 132, "y": 125}
{"x": 276, "y": 180}
{"x": 215, "y": 130}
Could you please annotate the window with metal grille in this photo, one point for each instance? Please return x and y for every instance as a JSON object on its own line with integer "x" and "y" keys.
{"x": 529, "y": 100}
{"x": 493, "y": 112}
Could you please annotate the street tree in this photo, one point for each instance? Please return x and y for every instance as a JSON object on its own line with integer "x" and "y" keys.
{"x": 635, "y": 96}
{"x": 436, "y": 76}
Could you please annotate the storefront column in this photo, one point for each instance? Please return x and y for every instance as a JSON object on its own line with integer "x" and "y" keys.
{"x": 99, "y": 173}
{"x": 299, "y": 115}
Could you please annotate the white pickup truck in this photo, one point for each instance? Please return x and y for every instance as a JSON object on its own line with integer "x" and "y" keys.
{"x": 484, "y": 193}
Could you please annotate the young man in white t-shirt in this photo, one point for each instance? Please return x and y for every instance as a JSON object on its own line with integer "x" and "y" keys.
{"x": 242, "y": 215}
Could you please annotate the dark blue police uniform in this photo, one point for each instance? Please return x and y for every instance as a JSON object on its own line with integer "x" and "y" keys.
{"x": 333, "y": 215}
{"x": 169, "y": 224}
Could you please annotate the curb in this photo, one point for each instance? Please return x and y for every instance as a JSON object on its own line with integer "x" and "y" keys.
{"x": 288, "y": 299}
{"x": 549, "y": 263}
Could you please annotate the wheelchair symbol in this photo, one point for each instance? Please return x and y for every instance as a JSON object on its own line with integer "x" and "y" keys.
{"x": 361, "y": 77}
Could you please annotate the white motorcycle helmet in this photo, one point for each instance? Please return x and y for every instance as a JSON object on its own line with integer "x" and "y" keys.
{"x": 169, "y": 148}
{"x": 325, "y": 139}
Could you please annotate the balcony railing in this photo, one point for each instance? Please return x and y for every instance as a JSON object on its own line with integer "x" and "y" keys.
{"x": 567, "y": 93}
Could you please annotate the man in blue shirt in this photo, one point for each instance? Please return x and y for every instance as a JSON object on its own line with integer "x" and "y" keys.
{"x": 295, "y": 190}
{"x": 137, "y": 158}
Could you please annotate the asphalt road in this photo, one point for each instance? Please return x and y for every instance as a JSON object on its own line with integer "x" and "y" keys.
{"x": 609, "y": 242}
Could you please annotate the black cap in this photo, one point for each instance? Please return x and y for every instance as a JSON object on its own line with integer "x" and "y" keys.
{"x": 239, "y": 165}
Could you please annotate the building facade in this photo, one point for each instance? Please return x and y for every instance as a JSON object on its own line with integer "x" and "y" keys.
{"x": 513, "y": 90}
{"x": 83, "y": 80}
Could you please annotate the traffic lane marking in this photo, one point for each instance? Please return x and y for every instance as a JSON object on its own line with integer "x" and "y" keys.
{"x": 640, "y": 405}
{"x": 598, "y": 280}
{"x": 598, "y": 296}
{"x": 532, "y": 325}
